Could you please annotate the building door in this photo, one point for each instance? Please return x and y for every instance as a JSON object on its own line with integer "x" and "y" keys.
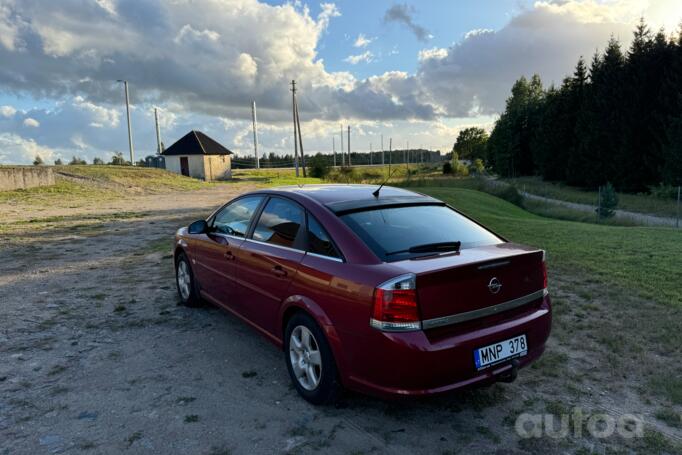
{"x": 184, "y": 166}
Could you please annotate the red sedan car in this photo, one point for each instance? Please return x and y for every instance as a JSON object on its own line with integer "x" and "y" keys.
{"x": 385, "y": 292}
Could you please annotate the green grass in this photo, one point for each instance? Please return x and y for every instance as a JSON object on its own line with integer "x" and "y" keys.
{"x": 670, "y": 387}
{"x": 84, "y": 184}
{"x": 144, "y": 178}
{"x": 641, "y": 203}
{"x": 670, "y": 417}
{"x": 63, "y": 190}
{"x": 551, "y": 210}
{"x": 642, "y": 260}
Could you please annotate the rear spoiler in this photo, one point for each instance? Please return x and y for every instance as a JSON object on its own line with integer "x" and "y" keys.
{"x": 344, "y": 207}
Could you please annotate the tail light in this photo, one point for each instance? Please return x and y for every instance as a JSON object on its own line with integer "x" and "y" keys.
{"x": 544, "y": 270}
{"x": 395, "y": 305}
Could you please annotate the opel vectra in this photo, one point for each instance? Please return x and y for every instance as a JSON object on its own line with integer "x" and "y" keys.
{"x": 380, "y": 290}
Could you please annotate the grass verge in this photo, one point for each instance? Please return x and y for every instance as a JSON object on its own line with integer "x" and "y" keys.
{"x": 641, "y": 203}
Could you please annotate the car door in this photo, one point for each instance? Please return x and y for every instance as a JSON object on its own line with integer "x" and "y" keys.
{"x": 269, "y": 259}
{"x": 216, "y": 251}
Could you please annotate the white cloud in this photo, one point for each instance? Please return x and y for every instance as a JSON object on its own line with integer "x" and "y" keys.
{"x": 246, "y": 66}
{"x": 9, "y": 27}
{"x": 366, "y": 57}
{"x": 477, "y": 31}
{"x": 79, "y": 142}
{"x": 329, "y": 10}
{"x": 15, "y": 149}
{"x": 100, "y": 116}
{"x": 434, "y": 53}
{"x": 7, "y": 111}
{"x": 187, "y": 33}
{"x": 108, "y": 6}
{"x": 362, "y": 41}
{"x": 31, "y": 122}
{"x": 474, "y": 76}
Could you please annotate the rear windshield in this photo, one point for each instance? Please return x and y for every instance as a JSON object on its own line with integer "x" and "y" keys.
{"x": 389, "y": 232}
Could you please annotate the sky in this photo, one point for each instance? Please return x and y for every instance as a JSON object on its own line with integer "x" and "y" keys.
{"x": 416, "y": 72}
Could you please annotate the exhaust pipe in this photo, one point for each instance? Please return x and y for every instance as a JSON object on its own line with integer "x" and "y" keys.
{"x": 511, "y": 374}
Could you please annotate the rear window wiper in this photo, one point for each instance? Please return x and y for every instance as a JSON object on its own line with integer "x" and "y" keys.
{"x": 430, "y": 248}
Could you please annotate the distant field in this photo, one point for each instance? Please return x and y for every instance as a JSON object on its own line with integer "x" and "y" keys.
{"x": 641, "y": 203}
{"x": 358, "y": 174}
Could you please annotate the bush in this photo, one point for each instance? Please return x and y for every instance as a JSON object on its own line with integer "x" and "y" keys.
{"x": 58, "y": 162}
{"x": 510, "y": 194}
{"x": 318, "y": 166}
{"x": 97, "y": 161}
{"x": 477, "y": 166}
{"x": 118, "y": 160}
{"x": 38, "y": 161}
{"x": 608, "y": 201}
{"x": 76, "y": 161}
{"x": 662, "y": 191}
{"x": 370, "y": 175}
{"x": 447, "y": 168}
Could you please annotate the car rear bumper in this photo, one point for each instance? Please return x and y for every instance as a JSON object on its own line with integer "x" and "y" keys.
{"x": 430, "y": 362}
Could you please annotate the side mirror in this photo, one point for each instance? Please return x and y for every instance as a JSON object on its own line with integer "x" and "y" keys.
{"x": 198, "y": 227}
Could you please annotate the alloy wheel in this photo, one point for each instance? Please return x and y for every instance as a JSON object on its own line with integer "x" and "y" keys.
{"x": 305, "y": 357}
{"x": 184, "y": 280}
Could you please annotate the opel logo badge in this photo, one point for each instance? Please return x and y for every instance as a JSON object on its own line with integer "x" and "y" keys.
{"x": 494, "y": 286}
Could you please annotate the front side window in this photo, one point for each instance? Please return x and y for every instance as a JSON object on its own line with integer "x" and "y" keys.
{"x": 319, "y": 241}
{"x": 398, "y": 233}
{"x": 279, "y": 223}
{"x": 234, "y": 219}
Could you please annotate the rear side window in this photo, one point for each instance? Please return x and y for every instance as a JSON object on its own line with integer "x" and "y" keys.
{"x": 390, "y": 232}
{"x": 234, "y": 219}
{"x": 279, "y": 223}
{"x": 319, "y": 241}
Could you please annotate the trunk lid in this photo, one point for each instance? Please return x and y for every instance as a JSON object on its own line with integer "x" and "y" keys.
{"x": 451, "y": 284}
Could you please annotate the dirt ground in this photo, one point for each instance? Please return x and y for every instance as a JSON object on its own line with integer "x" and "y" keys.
{"x": 96, "y": 356}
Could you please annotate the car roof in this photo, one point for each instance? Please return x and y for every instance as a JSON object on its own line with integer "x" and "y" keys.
{"x": 345, "y": 198}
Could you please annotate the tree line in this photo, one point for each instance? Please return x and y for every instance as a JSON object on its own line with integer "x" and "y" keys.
{"x": 618, "y": 120}
{"x": 356, "y": 158}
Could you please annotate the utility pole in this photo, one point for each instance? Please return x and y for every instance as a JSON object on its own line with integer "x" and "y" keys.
{"x": 130, "y": 132}
{"x": 158, "y": 132}
{"x": 407, "y": 156}
{"x": 349, "y": 145}
{"x": 382, "y": 149}
{"x": 293, "y": 111}
{"x": 343, "y": 155}
{"x": 334, "y": 148}
{"x": 300, "y": 138}
{"x": 390, "y": 154}
{"x": 255, "y": 133}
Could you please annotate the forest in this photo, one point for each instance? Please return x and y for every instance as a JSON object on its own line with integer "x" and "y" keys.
{"x": 616, "y": 120}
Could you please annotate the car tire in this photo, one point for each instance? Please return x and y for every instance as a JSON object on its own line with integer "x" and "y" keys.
{"x": 310, "y": 363}
{"x": 185, "y": 282}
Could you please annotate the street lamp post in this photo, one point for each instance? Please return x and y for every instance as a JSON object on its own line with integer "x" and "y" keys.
{"x": 130, "y": 132}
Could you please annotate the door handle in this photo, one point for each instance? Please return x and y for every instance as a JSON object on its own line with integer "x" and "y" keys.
{"x": 279, "y": 271}
{"x": 229, "y": 256}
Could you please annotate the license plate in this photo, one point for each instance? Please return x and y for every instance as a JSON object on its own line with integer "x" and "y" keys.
{"x": 499, "y": 352}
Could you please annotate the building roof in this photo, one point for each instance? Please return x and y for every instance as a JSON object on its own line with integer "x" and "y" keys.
{"x": 196, "y": 143}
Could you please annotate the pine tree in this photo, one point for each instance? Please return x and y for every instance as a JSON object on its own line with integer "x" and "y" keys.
{"x": 578, "y": 158}
{"x": 598, "y": 132}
